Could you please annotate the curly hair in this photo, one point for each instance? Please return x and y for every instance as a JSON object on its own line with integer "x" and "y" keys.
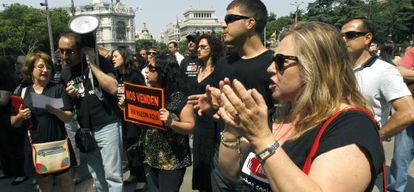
{"x": 27, "y": 68}
{"x": 215, "y": 44}
{"x": 129, "y": 62}
{"x": 170, "y": 77}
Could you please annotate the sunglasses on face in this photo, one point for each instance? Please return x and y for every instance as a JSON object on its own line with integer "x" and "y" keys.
{"x": 152, "y": 68}
{"x": 152, "y": 53}
{"x": 280, "y": 61}
{"x": 202, "y": 47}
{"x": 230, "y": 18}
{"x": 67, "y": 51}
{"x": 353, "y": 34}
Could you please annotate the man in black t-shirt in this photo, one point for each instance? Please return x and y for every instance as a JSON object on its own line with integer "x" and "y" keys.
{"x": 189, "y": 65}
{"x": 245, "y": 21}
{"x": 91, "y": 84}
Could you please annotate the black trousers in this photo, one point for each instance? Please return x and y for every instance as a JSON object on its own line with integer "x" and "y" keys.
{"x": 159, "y": 180}
{"x": 12, "y": 151}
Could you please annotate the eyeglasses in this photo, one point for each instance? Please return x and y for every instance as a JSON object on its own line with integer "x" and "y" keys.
{"x": 280, "y": 60}
{"x": 152, "y": 53}
{"x": 353, "y": 34}
{"x": 230, "y": 18}
{"x": 68, "y": 51}
{"x": 152, "y": 68}
{"x": 202, "y": 47}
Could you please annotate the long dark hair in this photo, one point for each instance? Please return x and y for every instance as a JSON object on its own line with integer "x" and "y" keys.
{"x": 129, "y": 63}
{"x": 215, "y": 44}
{"x": 170, "y": 77}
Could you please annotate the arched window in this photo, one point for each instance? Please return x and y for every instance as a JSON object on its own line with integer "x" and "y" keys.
{"x": 120, "y": 30}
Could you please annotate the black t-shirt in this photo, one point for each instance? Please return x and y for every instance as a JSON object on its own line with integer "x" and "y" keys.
{"x": 46, "y": 126}
{"x": 351, "y": 127}
{"x": 250, "y": 72}
{"x": 189, "y": 67}
{"x": 92, "y": 112}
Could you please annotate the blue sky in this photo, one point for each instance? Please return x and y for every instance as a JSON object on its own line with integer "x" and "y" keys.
{"x": 158, "y": 13}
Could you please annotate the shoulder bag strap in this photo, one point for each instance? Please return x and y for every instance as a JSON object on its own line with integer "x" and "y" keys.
{"x": 315, "y": 144}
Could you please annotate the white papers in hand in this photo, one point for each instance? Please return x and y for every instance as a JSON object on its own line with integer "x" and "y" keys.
{"x": 40, "y": 101}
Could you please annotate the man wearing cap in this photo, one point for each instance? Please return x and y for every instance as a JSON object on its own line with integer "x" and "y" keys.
{"x": 189, "y": 65}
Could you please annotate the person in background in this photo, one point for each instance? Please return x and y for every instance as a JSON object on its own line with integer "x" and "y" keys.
{"x": 152, "y": 53}
{"x": 380, "y": 82}
{"x": 190, "y": 64}
{"x": 404, "y": 141}
{"x": 209, "y": 51}
{"x": 272, "y": 155}
{"x": 143, "y": 54}
{"x": 126, "y": 71}
{"x": 11, "y": 139}
{"x": 48, "y": 124}
{"x": 173, "y": 49}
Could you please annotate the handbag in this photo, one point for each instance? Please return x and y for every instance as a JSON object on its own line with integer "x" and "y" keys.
{"x": 84, "y": 140}
{"x": 50, "y": 157}
{"x": 315, "y": 145}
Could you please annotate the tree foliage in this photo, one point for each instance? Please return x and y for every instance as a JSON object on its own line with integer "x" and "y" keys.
{"x": 23, "y": 29}
{"x": 393, "y": 20}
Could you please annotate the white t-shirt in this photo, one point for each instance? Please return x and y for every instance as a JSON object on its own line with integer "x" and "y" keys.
{"x": 380, "y": 83}
{"x": 179, "y": 57}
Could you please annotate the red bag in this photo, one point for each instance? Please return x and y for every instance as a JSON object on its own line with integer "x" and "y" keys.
{"x": 16, "y": 102}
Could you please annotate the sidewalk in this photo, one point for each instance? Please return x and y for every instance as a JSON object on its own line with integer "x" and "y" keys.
{"x": 86, "y": 185}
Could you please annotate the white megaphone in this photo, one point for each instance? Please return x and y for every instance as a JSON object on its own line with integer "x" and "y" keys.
{"x": 83, "y": 24}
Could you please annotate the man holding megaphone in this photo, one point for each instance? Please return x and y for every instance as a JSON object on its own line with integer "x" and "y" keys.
{"x": 91, "y": 83}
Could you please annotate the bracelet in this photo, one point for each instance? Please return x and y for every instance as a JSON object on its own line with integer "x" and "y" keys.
{"x": 269, "y": 151}
{"x": 231, "y": 143}
{"x": 170, "y": 119}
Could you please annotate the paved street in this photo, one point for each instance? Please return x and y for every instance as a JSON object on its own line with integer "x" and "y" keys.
{"x": 86, "y": 185}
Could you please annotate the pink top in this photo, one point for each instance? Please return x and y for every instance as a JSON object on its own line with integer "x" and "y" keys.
{"x": 408, "y": 59}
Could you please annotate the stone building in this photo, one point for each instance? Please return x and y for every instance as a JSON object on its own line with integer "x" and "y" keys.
{"x": 195, "y": 21}
{"x": 116, "y": 28}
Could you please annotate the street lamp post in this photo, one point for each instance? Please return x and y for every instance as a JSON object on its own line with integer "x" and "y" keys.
{"x": 297, "y": 5}
{"x": 49, "y": 28}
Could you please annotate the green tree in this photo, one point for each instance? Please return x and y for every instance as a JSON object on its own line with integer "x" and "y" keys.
{"x": 23, "y": 29}
{"x": 277, "y": 25}
{"x": 144, "y": 43}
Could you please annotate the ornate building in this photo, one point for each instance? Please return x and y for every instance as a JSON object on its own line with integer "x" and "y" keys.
{"x": 195, "y": 21}
{"x": 116, "y": 28}
{"x": 144, "y": 34}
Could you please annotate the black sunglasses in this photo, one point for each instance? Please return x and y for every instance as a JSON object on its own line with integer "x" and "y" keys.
{"x": 353, "y": 34}
{"x": 230, "y": 18}
{"x": 152, "y": 53}
{"x": 152, "y": 68}
{"x": 280, "y": 60}
{"x": 68, "y": 51}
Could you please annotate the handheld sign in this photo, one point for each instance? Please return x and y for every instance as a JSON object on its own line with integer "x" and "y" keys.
{"x": 142, "y": 105}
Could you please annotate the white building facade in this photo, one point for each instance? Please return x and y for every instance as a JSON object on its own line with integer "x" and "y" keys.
{"x": 195, "y": 21}
{"x": 116, "y": 28}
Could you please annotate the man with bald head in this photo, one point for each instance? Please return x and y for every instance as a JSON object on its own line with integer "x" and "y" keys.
{"x": 380, "y": 82}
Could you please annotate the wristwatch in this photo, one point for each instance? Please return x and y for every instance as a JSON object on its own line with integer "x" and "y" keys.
{"x": 266, "y": 153}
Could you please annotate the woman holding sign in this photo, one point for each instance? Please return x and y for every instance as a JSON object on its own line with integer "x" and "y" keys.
{"x": 167, "y": 153}
{"x": 48, "y": 124}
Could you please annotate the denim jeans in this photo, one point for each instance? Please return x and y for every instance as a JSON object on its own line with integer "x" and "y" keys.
{"x": 403, "y": 156}
{"x": 104, "y": 164}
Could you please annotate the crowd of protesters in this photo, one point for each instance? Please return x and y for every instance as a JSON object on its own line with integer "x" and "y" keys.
{"x": 322, "y": 102}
